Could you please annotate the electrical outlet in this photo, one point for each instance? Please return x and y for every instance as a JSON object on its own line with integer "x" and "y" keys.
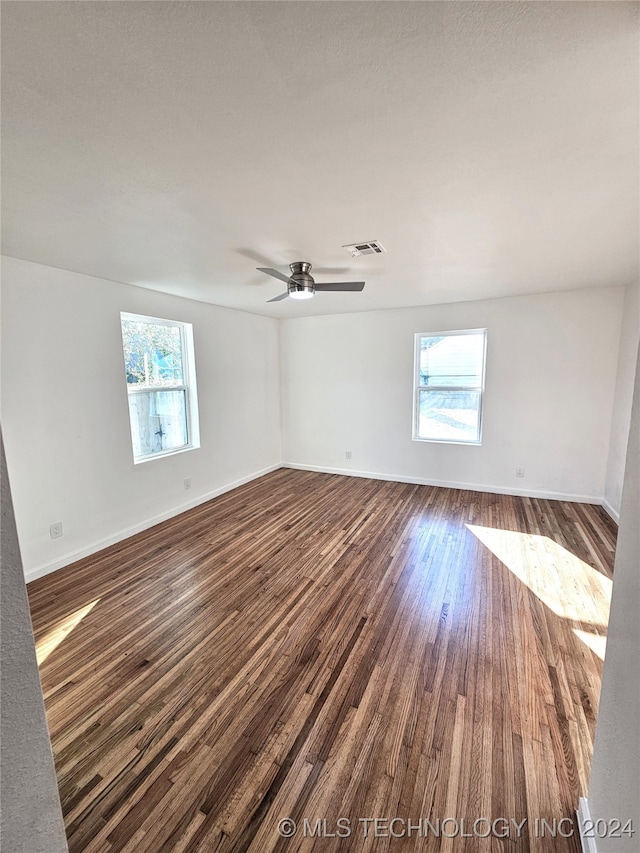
{"x": 55, "y": 530}
{"x": 519, "y": 472}
{"x": 347, "y": 454}
{"x": 187, "y": 482}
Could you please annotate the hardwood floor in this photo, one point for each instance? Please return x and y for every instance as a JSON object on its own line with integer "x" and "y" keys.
{"x": 312, "y": 646}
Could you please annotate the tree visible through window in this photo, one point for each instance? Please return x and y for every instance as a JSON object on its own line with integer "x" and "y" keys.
{"x": 449, "y": 386}
{"x": 158, "y": 359}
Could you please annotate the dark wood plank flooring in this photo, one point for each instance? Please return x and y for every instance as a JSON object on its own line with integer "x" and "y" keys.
{"x": 318, "y": 647}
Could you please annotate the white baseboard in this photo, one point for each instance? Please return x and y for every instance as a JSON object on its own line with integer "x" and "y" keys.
{"x": 72, "y": 556}
{"x": 583, "y": 814}
{"x": 615, "y": 515}
{"x": 447, "y": 484}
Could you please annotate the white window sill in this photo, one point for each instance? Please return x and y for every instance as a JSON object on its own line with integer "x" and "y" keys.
{"x": 138, "y": 460}
{"x": 446, "y": 441}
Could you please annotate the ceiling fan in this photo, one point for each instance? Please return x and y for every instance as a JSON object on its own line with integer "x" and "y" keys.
{"x": 300, "y": 284}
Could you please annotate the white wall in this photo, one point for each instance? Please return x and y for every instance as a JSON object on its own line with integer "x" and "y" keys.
{"x": 614, "y": 786}
{"x": 65, "y": 416}
{"x": 550, "y": 381}
{"x": 31, "y": 817}
{"x": 629, "y": 337}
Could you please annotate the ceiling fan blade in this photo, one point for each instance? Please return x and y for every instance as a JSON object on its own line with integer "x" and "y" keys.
{"x": 275, "y": 274}
{"x": 341, "y": 285}
{"x": 278, "y": 298}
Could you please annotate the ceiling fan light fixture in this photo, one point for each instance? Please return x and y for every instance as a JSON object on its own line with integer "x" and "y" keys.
{"x": 301, "y": 285}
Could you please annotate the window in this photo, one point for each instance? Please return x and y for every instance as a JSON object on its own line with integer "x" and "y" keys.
{"x": 161, "y": 385}
{"x": 449, "y": 382}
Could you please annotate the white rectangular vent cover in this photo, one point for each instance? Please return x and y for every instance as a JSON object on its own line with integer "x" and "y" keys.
{"x": 372, "y": 247}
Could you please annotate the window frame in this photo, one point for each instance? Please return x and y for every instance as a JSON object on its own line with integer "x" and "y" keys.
{"x": 417, "y": 387}
{"x": 188, "y": 385}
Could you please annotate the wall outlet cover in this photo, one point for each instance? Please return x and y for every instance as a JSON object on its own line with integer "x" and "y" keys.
{"x": 55, "y": 530}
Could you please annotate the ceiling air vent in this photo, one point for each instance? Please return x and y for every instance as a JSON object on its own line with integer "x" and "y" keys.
{"x": 372, "y": 247}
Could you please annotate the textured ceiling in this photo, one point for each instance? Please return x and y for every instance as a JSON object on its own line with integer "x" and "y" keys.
{"x": 491, "y": 147}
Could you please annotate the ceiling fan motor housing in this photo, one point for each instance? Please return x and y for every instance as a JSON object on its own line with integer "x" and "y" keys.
{"x": 301, "y": 281}
{"x": 301, "y": 285}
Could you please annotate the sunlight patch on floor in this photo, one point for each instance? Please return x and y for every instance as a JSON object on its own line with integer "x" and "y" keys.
{"x": 596, "y": 642}
{"x": 566, "y": 584}
{"x": 53, "y": 638}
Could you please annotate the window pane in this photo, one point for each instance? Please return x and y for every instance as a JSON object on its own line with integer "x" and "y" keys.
{"x": 152, "y": 353}
{"x": 452, "y": 360}
{"x": 449, "y": 415}
{"x": 158, "y": 421}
